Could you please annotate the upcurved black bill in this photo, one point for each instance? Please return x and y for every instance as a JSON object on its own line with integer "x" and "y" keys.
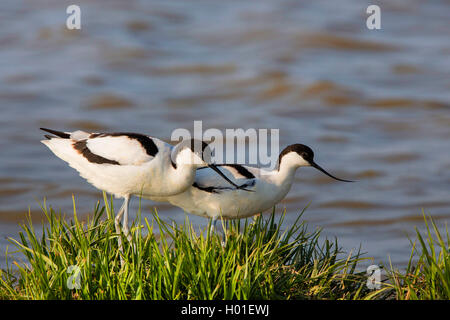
{"x": 212, "y": 166}
{"x": 315, "y": 165}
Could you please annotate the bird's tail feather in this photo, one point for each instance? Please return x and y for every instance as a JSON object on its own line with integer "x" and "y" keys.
{"x": 60, "y": 134}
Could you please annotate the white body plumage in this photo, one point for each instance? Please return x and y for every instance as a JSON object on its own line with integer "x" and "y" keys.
{"x": 210, "y": 197}
{"x": 126, "y": 164}
{"x": 135, "y": 171}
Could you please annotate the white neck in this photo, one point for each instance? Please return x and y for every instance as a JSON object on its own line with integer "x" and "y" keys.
{"x": 185, "y": 171}
{"x": 284, "y": 176}
{"x": 179, "y": 173}
{"x": 181, "y": 177}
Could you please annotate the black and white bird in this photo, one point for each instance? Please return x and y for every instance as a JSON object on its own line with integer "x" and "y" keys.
{"x": 126, "y": 164}
{"x": 212, "y": 198}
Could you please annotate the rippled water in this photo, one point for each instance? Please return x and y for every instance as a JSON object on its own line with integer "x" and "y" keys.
{"x": 373, "y": 105}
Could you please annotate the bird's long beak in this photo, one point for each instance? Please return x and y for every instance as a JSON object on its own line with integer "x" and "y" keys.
{"x": 315, "y": 165}
{"x": 212, "y": 166}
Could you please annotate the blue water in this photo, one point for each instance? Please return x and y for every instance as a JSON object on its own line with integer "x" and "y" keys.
{"x": 373, "y": 105}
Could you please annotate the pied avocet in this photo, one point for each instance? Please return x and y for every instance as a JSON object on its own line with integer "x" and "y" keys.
{"x": 126, "y": 164}
{"x": 211, "y": 197}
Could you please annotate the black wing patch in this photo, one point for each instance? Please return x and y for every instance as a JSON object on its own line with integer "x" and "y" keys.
{"x": 239, "y": 168}
{"x": 243, "y": 171}
{"x": 81, "y": 147}
{"x": 146, "y": 142}
{"x": 206, "y": 189}
{"x": 219, "y": 189}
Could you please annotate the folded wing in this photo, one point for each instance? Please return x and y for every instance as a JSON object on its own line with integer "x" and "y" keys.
{"x": 107, "y": 148}
{"x": 207, "y": 180}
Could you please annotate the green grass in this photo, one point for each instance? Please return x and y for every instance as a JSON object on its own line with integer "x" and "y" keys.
{"x": 427, "y": 275}
{"x": 262, "y": 258}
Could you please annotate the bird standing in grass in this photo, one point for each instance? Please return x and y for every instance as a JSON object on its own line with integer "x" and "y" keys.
{"x": 126, "y": 164}
{"x": 212, "y": 198}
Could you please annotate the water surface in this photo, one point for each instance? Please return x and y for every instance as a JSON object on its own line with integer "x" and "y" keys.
{"x": 373, "y": 105}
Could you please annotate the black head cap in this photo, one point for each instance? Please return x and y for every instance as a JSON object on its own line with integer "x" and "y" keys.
{"x": 302, "y": 150}
{"x": 308, "y": 155}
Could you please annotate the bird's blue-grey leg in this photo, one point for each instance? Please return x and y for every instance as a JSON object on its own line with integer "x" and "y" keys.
{"x": 213, "y": 225}
{"x": 117, "y": 225}
{"x": 126, "y": 231}
{"x": 119, "y": 216}
{"x": 213, "y": 229}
